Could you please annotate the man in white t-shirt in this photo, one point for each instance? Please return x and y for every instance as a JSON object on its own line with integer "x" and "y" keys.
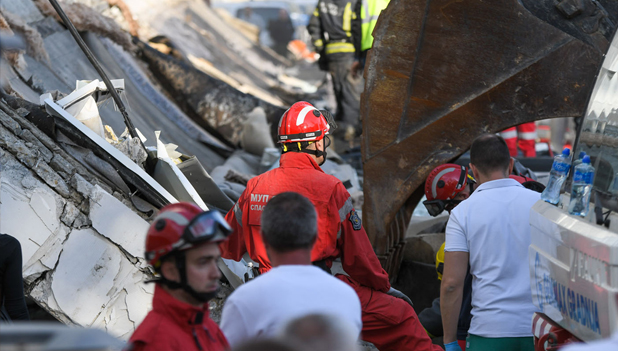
{"x": 491, "y": 231}
{"x": 294, "y": 287}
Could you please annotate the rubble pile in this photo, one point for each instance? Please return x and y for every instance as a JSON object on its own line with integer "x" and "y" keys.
{"x": 204, "y": 103}
{"x": 82, "y": 241}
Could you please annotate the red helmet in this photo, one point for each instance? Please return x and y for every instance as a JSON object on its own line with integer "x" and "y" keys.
{"x": 446, "y": 181}
{"x": 181, "y": 226}
{"x": 303, "y": 122}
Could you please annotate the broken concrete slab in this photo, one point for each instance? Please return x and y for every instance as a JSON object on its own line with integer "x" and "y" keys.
{"x": 112, "y": 219}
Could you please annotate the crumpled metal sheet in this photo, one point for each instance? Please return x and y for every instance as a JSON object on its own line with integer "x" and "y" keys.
{"x": 443, "y": 72}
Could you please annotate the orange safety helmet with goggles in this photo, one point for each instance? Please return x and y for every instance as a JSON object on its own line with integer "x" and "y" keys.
{"x": 442, "y": 186}
{"x": 303, "y": 124}
{"x": 177, "y": 228}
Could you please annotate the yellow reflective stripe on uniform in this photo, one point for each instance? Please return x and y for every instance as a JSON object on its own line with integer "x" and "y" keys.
{"x": 318, "y": 43}
{"x": 335, "y": 48}
{"x": 345, "y": 209}
{"x": 238, "y": 214}
{"x": 347, "y": 19}
{"x": 316, "y": 13}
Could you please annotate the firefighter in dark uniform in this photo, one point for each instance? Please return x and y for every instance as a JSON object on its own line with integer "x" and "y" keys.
{"x": 330, "y": 28}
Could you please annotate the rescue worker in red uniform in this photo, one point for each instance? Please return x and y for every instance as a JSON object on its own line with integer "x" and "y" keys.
{"x": 389, "y": 321}
{"x": 522, "y": 136}
{"x": 182, "y": 245}
{"x": 446, "y": 186}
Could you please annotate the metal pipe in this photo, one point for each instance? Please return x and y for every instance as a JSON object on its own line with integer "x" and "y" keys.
{"x": 97, "y": 67}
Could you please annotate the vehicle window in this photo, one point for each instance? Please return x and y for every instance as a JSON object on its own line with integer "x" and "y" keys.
{"x": 267, "y": 13}
{"x": 599, "y": 130}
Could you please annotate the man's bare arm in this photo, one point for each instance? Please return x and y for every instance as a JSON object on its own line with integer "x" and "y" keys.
{"x": 451, "y": 291}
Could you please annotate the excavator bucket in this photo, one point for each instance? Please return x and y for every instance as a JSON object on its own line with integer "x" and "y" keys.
{"x": 442, "y": 72}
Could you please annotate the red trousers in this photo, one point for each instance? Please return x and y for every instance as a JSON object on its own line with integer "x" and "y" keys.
{"x": 524, "y": 136}
{"x": 390, "y": 323}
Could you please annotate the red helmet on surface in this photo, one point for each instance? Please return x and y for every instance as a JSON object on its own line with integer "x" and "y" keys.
{"x": 304, "y": 122}
{"x": 181, "y": 226}
{"x": 446, "y": 181}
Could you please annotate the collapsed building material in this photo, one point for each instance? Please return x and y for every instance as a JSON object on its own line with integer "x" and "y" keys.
{"x": 13, "y": 57}
{"x": 86, "y": 138}
{"x": 86, "y": 19}
{"x": 433, "y": 87}
{"x": 93, "y": 61}
{"x": 167, "y": 173}
{"x": 68, "y": 211}
{"x": 213, "y": 104}
{"x": 34, "y": 41}
{"x": 128, "y": 16}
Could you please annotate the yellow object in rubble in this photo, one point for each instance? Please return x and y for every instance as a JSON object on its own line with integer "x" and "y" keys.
{"x": 440, "y": 261}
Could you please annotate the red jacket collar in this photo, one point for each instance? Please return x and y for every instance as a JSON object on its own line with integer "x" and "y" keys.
{"x": 298, "y": 160}
{"x": 180, "y": 312}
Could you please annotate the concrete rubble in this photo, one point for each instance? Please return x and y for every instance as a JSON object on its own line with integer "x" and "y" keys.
{"x": 82, "y": 247}
{"x": 81, "y": 208}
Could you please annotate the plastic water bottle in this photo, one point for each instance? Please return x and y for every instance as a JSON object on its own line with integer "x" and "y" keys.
{"x": 579, "y": 160}
{"x": 581, "y": 188}
{"x": 557, "y": 175}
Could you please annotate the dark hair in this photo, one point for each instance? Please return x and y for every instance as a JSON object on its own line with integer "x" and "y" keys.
{"x": 489, "y": 153}
{"x": 289, "y": 222}
{"x": 265, "y": 345}
{"x": 321, "y": 332}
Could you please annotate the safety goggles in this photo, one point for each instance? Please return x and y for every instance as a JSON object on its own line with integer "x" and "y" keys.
{"x": 206, "y": 227}
{"x": 435, "y": 207}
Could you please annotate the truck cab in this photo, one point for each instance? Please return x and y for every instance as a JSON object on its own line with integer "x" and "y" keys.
{"x": 574, "y": 260}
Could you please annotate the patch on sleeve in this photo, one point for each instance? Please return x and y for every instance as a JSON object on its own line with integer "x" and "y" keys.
{"x": 356, "y": 221}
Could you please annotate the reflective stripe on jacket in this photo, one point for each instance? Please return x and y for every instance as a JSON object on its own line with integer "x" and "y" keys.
{"x": 331, "y": 26}
{"x": 369, "y": 12}
{"x": 339, "y": 231}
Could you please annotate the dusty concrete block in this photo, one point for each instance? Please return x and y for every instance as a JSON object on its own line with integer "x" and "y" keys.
{"x": 84, "y": 206}
{"x": 95, "y": 271}
{"x": 52, "y": 179}
{"x": 46, "y": 257}
{"x": 29, "y": 182}
{"x": 22, "y": 112}
{"x": 18, "y": 148}
{"x": 16, "y": 204}
{"x": 107, "y": 279}
{"x": 44, "y": 205}
{"x": 31, "y": 138}
{"x": 117, "y": 222}
{"x": 80, "y": 184}
{"x": 69, "y": 214}
{"x": 76, "y": 197}
{"x": 10, "y": 123}
{"x": 64, "y": 175}
{"x": 82, "y": 221}
{"x": 60, "y": 164}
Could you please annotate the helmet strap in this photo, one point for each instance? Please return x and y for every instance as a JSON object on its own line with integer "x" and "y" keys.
{"x": 180, "y": 261}
{"x": 301, "y": 146}
{"x": 181, "y": 265}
